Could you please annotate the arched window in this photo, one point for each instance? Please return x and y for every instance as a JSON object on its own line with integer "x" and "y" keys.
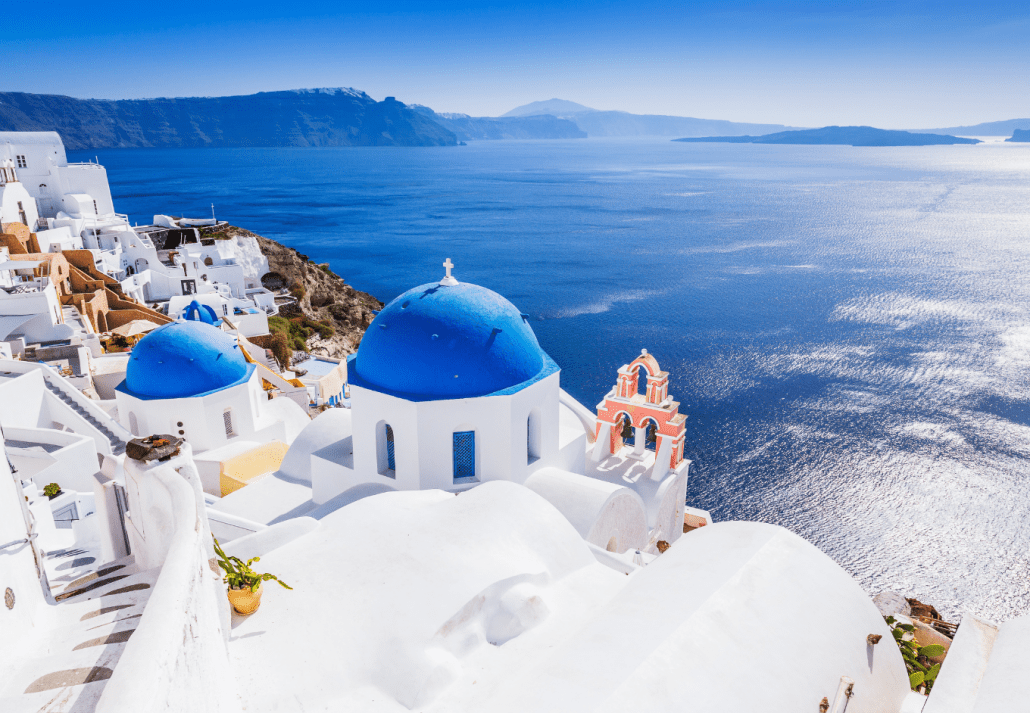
{"x": 230, "y": 430}
{"x": 628, "y": 432}
{"x": 532, "y": 438}
{"x": 651, "y": 435}
{"x": 641, "y": 380}
{"x": 464, "y": 445}
{"x": 385, "y": 450}
{"x": 133, "y": 424}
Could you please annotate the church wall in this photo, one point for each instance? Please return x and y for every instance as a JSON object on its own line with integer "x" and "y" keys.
{"x": 368, "y": 409}
{"x": 162, "y": 416}
{"x": 540, "y": 400}
{"x": 423, "y": 435}
{"x": 203, "y": 426}
{"x": 489, "y": 416}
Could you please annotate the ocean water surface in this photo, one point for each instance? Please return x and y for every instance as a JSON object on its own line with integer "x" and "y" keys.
{"x": 848, "y": 329}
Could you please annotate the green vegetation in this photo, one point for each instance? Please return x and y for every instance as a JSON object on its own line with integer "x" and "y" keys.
{"x": 238, "y": 573}
{"x": 921, "y": 673}
{"x": 298, "y": 329}
{"x": 280, "y": 346}
{"x": 52, "y": 490}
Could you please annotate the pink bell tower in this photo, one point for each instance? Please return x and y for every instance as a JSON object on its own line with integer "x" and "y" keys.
{"x": 650, "y": 419}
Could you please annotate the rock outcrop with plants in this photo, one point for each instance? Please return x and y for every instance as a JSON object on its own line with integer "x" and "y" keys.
{"x": 325, "y": 316}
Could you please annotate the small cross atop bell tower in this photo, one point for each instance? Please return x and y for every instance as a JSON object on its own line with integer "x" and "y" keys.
{"x": 448, "y": 280}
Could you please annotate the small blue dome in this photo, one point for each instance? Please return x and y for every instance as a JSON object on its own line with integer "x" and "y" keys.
{"x": 448, "y": 342}
{"x": 196, "y": 312}
{"x": 184, "y": 359}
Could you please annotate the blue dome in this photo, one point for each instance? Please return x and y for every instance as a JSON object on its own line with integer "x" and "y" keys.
{"x": 448, "y": 342}
{"x": 184, "y": 359}
{"x": 196, "y": 312}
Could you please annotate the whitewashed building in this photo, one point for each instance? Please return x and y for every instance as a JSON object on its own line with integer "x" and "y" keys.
{"x": 78, "y": 190}
{"x": 450, "y": 389}
{"x": 191, "y": 379}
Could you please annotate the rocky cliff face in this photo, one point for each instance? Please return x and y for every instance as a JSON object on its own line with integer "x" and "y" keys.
{"x": 322, "y": 296}
{"x": 306, "y": 117}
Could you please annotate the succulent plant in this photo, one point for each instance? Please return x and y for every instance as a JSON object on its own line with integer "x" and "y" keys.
{"x": 238, "y": 573}
{"x": 921, "y": 672}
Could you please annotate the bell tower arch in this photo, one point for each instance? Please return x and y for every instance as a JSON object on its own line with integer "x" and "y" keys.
{"x": 658, "y": 425}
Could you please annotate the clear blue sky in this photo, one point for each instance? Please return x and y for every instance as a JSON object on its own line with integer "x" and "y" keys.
{"x": 893, "y": 65}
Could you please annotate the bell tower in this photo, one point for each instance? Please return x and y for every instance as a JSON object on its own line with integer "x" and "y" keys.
{"x": 638, "y": 416}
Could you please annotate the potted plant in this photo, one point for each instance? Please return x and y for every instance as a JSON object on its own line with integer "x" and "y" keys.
{"x": 52, "y": 490}
{"x": 244, "y": 583}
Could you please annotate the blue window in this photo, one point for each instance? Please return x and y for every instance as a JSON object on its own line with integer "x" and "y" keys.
{"x": 390, "y": 463}
{"x": 464, "y": 455}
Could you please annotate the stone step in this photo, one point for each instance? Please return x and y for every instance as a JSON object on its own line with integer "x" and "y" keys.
{"x": 64, "y": 698}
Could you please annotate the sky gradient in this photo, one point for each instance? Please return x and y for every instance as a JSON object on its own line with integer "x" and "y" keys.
{"x": 891, "y": 65}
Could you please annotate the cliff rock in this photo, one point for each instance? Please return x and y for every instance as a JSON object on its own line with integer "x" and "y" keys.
{"x": 304, "y": 117}
{"x": 321, "y": 296}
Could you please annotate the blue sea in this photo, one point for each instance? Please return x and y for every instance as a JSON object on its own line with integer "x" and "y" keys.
{"x": 847, "y": 329}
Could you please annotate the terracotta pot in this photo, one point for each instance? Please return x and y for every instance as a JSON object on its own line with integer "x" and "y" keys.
{"x": 244, "y": 601}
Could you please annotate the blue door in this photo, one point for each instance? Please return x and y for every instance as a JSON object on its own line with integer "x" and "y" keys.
{"x": 389, "y": 449}
{"x": 464, "y": 455}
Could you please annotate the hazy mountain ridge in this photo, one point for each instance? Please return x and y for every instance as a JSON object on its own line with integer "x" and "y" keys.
{"x": 622, "y": 123}
{"x": 839, "y": 136}
{"x": 554, "y": 107}
{"x": 473, "y": 128}
{"x": 1020, "y": 136}
{"x": 988, "y": 128}
{"x": 305, "y": 117}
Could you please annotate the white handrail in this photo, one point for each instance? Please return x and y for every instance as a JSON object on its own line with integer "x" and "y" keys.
{"x": 588, "y": 419}
{"x": 176, "y": 659}
{"x": 95, "y": 411}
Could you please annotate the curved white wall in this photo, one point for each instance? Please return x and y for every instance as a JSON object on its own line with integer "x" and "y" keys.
{"x": 607, "y": 515}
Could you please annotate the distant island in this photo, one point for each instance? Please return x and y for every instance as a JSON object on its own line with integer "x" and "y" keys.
{"x": 303, "y": 117}
{"x": 840, "y": 136}
{"x": 1020, "y": 136}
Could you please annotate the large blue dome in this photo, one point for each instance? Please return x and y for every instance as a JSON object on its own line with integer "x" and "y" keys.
{"x": 448, "y": 342}
{"x": 184, "y": 359}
